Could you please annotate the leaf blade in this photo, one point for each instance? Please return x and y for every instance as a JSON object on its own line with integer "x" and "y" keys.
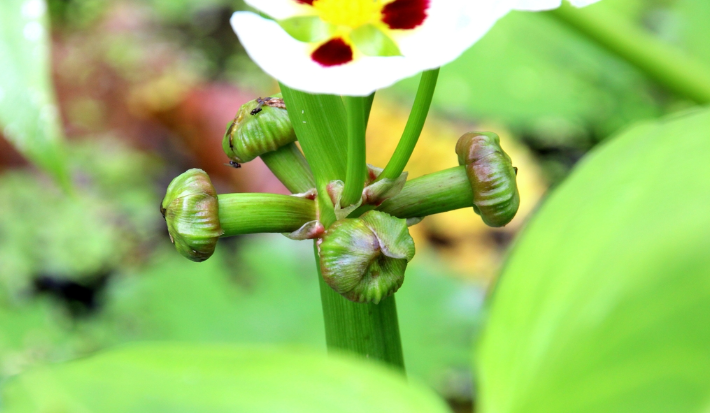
{"x": 28, "y": 110}
{"x": 600, "y": 307}
{"x": 212, "y": 378}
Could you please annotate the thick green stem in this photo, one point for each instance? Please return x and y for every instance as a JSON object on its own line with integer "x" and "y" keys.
{"x": 370, "y": 330}
{"x": 253, "y": 213}
{"x": 414, "y": 126}
{"x": 355, "y": 107}
{"x": 319, "y": 122}
{"x": 441, "y": 191}
{"x": 411, "y": 133}
{"x": 291, "y": 168}
{"x": 366, "y": 329}
{"x": 677, "y": 72}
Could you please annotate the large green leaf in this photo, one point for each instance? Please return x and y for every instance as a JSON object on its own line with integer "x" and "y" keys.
{"x": 604, "y": 305}
{"x": 213, "y": 378}
{"x": 28, "y": 112}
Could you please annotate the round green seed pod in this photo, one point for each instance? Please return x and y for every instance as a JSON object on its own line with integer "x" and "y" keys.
{"x": 191, "y": 210}
{"x": 260, "y": 126}
{"x": 492, "y": 176}
{"x": 364, "y": 259}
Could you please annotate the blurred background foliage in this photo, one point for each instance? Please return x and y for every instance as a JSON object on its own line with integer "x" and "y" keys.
{"x": 145, "y": 90}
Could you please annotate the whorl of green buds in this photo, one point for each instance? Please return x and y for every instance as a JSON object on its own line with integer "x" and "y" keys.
{"x": 492, "y": 177}
{"x": 260, "y": 126}
{"x": 191, "y": 210}
{"x": 364, "y": 258}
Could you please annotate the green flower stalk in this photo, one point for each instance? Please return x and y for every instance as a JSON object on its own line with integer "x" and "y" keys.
{"x": 364, "y": 259}
{"x": 264, "y": 213}
{"x": 492, "y": 176}
{"x": 431, "y": 194}
{"x": 262, "y": 128}
{"x": 197, "y": 217}
{"x": 191, "y": 210}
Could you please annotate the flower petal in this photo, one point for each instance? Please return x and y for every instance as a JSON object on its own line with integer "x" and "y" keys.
{"x": 537, "y": 5}
{"x": 289, "y": 61}
{"x": 582, "y": 3}
{"x": 281, "y": 9}
{"x": 450, "y": 28}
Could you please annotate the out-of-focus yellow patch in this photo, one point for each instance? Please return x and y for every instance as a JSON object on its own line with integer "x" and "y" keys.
{"x": 461, "y": 237}
{"x": 351, "y": 13}
{"x": 161, "y": 93}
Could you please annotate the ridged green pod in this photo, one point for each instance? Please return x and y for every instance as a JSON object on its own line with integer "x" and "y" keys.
{"x": 492, "y": 176}
{"x": 260, "y": 126}
{"x": 191, "y": 210}
{"x": 364, "y": 258}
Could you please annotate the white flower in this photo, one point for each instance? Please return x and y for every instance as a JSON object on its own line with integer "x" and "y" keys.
{"x": 354, "y": 47}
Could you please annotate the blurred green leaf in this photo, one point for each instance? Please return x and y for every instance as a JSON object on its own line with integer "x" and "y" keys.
{"x": 74, "y": 237}
{"x": 185, "y": 378}
{"x": 28, "y": 111}
{"x": 604, "y": 304}
{"x": 244, "y": 295}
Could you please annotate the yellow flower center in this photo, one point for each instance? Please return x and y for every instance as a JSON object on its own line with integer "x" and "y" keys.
{"x": 351, "y": 13}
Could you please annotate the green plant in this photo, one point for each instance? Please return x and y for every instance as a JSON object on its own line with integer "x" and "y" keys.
{"x": 579, "y": 321}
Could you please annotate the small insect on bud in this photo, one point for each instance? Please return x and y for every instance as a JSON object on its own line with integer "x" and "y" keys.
{"x": 261, "y": 126}
{"x": 191, "y": 211}
{"x": 364, "y": 259}
{"x": 491, "y": 175}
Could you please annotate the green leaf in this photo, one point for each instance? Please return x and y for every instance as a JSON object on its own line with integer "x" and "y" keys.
{"x": 217, "y": 378}
{"x": 307, "y": 28}
{"x": 28, "y": 111}
{"x": 319, "y": 122}
{"x": 371, "y": 41}
{"x": 604, "y": 304}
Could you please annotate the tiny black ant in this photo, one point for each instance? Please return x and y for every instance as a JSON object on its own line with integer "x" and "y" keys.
{"x": 234, "y": 164}
{"x": 268, "y": 101}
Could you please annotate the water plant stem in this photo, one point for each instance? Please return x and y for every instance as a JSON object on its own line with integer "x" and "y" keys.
{"x": 430, "y": 194}
{"x": 666, "y": 65}
{"x": 249, "y": 213}
{"x": 369, "y": 330}
{"x": 415, "y": 124}
{"x": 411, "y": 133}
{"x": 289, "y": 165}
{"x": 356, "y": 109}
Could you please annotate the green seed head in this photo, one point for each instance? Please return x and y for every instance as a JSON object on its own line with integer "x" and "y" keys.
{"x": 191, "y": 211}
{"x": 261, "y": 126}
{"x": 364, "y": 259}
{"x": 492, "y": 176}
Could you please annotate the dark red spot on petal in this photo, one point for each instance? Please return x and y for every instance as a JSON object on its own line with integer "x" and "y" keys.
{"x": 334, "y": 52}
{"x": 308, "y": 2}
{"x": 405, "y": 14}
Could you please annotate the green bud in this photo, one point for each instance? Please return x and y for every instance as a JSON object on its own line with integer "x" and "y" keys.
{"x": 376, "y": 192}
{"x": 191, "y": 210}
{"x": 492, "y": 177}
{"x": 335, "y": 192}
{"x": 364, "y": 258}
{"x": 261, "y": 126}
